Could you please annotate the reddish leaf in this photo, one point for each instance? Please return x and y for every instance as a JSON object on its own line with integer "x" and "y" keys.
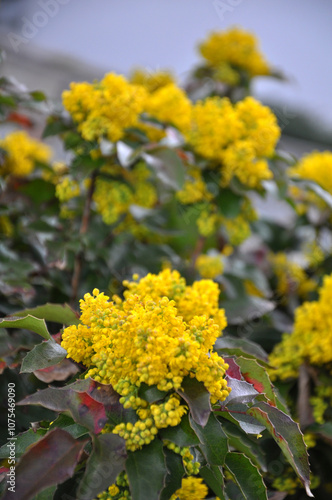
{"x": 61, "y": 371}
{"x": 233, "y": 370}
{"x": 20, "y": 119}
{"x": 50, "y": 461}
{"x": 84, "y": 409}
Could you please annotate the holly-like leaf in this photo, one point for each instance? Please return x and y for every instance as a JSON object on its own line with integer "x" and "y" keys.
{"x": 214, "y": 442}
{"x": 59, "y": 313}
{"x": 246, "y": 476}
{"x": 84, "y": 409}
{"x": 50, "y": 461}
{"x": 22, "y": 441}
{"x": 150, "y": 393}
{"x": 168, "y": 166}
{"x": 67, "y": 423}
{"x": 175, "y": 473}
{"x": 106, "y": 461}
{"x": 29, "y": 322}
{"x": 233, "y": 369}
{"x": 288, "y": 436}
{"x": 59, "y": 372}
{"x": 250, "y": 447}
{"x": 43, "y": 355}
{"x": 245, "y": 309}
{"x": 198, "y": 399}
{"x": 240, "y": 347}
{"x": 241, "y": 392}
{"x": 213, "y": 477}
{"x": 146, "y": 471}
{"x": 182, "y": 434}
{"x": 256, "y": 375}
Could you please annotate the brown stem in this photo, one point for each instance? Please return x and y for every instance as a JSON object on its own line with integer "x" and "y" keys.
{"x": 304, "y": 409}
{"x": 198, "y": 249}
{"x": 79, "y": 258}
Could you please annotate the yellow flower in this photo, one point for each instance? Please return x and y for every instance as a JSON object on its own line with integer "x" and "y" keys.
{"x": 67, "y": 188}
{"x": 194, "y": 188}
{"x": 237, "y": 48}
{"x": 317, "y": 167}
{"x": 151, "y": 81}
{"x": 311, "y": 339}
{"x": 192, "y": 488}
{"x": 169, "y": 104}
{"x": 106, "y": 108}
{"x": 160, "y": 333}
{"x": 209, "y": 266}
{"x": 21, "y": 154}
{"x": 291, "y": 278}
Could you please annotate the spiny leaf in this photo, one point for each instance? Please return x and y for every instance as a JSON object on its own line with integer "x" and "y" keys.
{"x": 59, "y": 313}
{"x": 213, "y": 477}
{"x": 214, "y": 442}
{"x": 198, "y": 399}
{"x": 256, "y": 375}
{"x": 175, "y": 473}
{"x": 246, "y": 445}
{"x": 146, "y": 471}
{"x": 43, "y": 355}
{"x": 240, "y": 347}
{"x": 246, "y": 476}
{"x": 288, "y": 436}
{"x": 50, "y": 461}
{"x": 22, "y": 441}
{"x": 182, "y": 434}
{"x": 106, "y": 461}
{"x": 29, "y": 322}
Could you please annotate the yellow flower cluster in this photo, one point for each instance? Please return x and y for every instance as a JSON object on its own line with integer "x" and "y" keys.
{"x": 209, "y": 266}
{"x": 311, "y": 339}
{"x": 238, "y": 138}
{"x": 113, "y": 198}
{"x": 232, "y": 51}
{"x": 118, "y": 490}
{"x": 192, "y": 468}
{"x": 194, "y": 189}
{"x": 160, "y": 333}
{"x": 320, "y": 402}
{"x": 317, "y": 167}
{"x": 192, "y": 488}
{"x": 67, "y": 189}
{"x": 151, "y": 80}
{"x": 21, "y": 154}
{"x": 291, "y": 278}
{"x": 106, "y": 108}
{"x": 170, "y": 105}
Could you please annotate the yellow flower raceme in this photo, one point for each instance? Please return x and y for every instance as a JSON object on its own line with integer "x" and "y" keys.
{"x": 291, "y": 278}
{"x": 194, "y": 188}
{"x": 67, "y": 189}
{"x": 209, "y": 266}
{"x": 151, "y": 81}
{"x": 192, "y": 488}
{"x": 148, "y": 338}
{"x": 169, "y": 104}
{"x": 236, "y": 49}
{"x": 106, "y": 108}
{"x": 317, "y": 167}
{"x": 21, "y": 154}
{"x": 311, "y": 339}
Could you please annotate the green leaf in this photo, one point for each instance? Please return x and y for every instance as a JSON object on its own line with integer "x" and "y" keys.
{"x": 213, "y": 477}
{"x": 198, "y": 399}
{"x": 168, "y": 167}
{"x": 288, "y": 436}
{"x": 50, "y": 461}
{"x": 214, "y": 443}
{"x": 58, "y": 313}
{"x": 182, "y": 434}
{"x": 46, "y": 494}
{"x": 146, "y": 471}
{"x": 67, "y": 423}
{"x": 175, "y": 473}
{"x": 29, "y": 322}
{"x": 229, "y": 203}
{"x": 38, "y": 96}
{"x": 245, "y": 309}
{"x": 38, "y": 190}
{"x": 246, "y": 476}
{"x": 240, "y": 347}
{"x": 55, "y": 126}
{"x": 43, "y": 355}
{"x": 150, "y": 393}
{"x": 106, "y": 461}
{"x": 7, "y": 100}
{"x": 243, "y": 443}
{"x": 22, "y": 441}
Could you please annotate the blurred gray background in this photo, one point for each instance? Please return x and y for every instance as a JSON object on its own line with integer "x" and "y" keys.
{"x": 49, "y": 43}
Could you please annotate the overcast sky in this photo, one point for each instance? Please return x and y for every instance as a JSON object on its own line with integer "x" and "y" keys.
{"x": 295, "y": 36}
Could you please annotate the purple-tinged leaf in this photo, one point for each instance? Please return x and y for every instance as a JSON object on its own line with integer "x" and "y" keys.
{"x": 198, "y": 399}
